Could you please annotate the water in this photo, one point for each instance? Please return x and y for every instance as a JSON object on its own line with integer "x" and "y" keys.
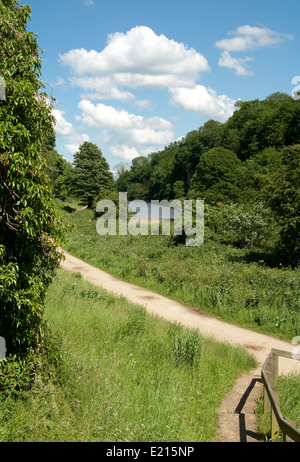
{"x": 143, "y": 209}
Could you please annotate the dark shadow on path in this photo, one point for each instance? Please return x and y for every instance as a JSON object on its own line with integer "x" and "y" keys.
{"x": 242, "y": 416}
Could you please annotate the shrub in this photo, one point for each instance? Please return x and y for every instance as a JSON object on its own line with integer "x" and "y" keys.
{"x": 241, "y": 225}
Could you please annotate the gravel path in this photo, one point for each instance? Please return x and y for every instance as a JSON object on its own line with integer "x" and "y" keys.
{"x": 236, "y": 418}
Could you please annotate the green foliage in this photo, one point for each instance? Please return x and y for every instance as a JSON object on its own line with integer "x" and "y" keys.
{"x": 257, "y": 125}
{"x": 229, "y": 163}
{"x": 59, "y": 170}
{"x": 29, "y": 228}
{"x": 18, "y": 374}
{"x": 256, "y": 174}
{"x": 185, "y": 345}
{"x": 119, "y": 388}
{"x": 178, "y": 189}
{"x": 217, "y": 176}
{"x": 241, "y": 225}
{"x": 91, "y": 174}
{"x": 238, "y": 284}
{"x": 284, "y": 198}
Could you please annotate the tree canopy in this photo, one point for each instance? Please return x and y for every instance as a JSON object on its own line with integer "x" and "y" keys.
{"x": 91, "y": 174}
{"x": 231, "y": 162}
{"x": 217, "y": 176}
{"x": 284, "y": 198}
{"x": 30, "y": 230}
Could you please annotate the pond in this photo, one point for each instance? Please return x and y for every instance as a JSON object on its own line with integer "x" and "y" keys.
{"x": 142, "y": 209}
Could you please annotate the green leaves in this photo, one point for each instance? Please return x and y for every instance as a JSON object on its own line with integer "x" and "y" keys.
{"x": 30, "y": 230}
{"x": 91, "y": 174}
{"x": 284, "y": 198}
{"x": 217, "y": 176}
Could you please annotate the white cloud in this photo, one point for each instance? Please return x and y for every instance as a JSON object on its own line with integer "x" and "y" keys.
{"x": 238, "y": 64}
{"x": 139, "y": 58}
{"x": 132, "y": 132}
{"x": 104, "y": 88}
{"x": 89, "y": 3}
{"x": 246, "y": 38}
{"x": 74, "y": 147}
{"x": 124, "y": 152}
{"x": 133, "y": 60}
{"x": 249, "y": 38}
{"x": 65, "y": 129}
{"x": 101, "y": 115}
{"x": 62, "y": 127}
{"x": 204, "y": 101}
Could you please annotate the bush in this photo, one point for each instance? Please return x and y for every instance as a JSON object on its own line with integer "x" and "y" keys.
{"x": 30, "y": 230}
{"x": 241, "y": 225}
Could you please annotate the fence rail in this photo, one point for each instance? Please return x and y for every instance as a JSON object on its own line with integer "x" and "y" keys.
{"x": 269, "y": 375}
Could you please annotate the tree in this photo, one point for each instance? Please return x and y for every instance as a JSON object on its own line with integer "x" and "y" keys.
{"x": 91, "y": 174}
{"x": 283, "y": 191}
{"x": 59, "y": 170}
{"x": 30, "y": 230}
{"x": 217, "y": 176}
{"x": 257, "y": 125}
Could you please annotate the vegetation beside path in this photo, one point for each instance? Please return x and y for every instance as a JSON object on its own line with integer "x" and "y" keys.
{"x": 124, "y": 375}
{"x": 229, "y": 283}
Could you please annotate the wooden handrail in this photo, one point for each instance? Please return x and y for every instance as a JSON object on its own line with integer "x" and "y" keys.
{"x": 269, "y": 375}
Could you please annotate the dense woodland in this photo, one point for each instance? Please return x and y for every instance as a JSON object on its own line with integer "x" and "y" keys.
{"x": 247, "y": 170}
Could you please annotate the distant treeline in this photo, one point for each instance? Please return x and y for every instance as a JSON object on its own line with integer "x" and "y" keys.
{"x": 247, "y": 170}
{"x": 219, "y": 161}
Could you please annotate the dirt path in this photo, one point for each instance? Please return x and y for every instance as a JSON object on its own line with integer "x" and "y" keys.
{"x": 237, "y": 422}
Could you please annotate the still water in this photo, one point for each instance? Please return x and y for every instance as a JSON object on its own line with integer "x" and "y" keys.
{"x": 143, "y": 209}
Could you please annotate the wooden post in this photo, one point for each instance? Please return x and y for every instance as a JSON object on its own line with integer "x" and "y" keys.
{"x": 275, "y": 369}
{"x": 286, "y": 438}
{"x": 267, "y": 402}
{"x": 274, "y": 424}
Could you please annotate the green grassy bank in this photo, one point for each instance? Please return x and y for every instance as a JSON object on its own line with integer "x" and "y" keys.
{"x": 125, "y": 375}
{"x": 230, "y": 283}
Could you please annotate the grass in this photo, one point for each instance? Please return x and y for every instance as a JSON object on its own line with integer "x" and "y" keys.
{"x": 213, "y": 277}
{"x": 125, "y": 375}
{"x": 288, "y": 387}
{"x": 289, "y": 397}
{"x": 129, "y": 376}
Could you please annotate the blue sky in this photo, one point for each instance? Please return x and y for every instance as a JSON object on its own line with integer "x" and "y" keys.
{"x": 133, "y": 76}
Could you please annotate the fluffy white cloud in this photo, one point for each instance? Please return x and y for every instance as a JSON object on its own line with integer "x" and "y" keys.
{"x": 204, "y": 101}
{"x": 131, "y": 133}
{"x": 124, "y": 152}
{"x": 65, "y": 129}
{"x": 101, "y": 115}
{"x": 62, "y": 127}
{"x": 238, "y": 64}
{"x": 246, "y": 38}
{"x": 130, "y": 61}
{"x": 249, "y": 38}
{"x": 74, "y": 147}
{"x": 104, "y": 88}
{"x": 139, "y": 58}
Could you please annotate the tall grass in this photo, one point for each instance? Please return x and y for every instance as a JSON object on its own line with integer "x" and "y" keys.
{"x": 289, "y": 402}
{"x": 125, "y": 375}
{"x": 214, "y": 277}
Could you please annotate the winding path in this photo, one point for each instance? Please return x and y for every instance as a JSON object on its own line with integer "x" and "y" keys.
{"x": 236, "y": 418}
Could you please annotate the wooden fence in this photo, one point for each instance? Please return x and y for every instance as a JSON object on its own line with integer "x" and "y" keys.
{"x": 269, "y": 375}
